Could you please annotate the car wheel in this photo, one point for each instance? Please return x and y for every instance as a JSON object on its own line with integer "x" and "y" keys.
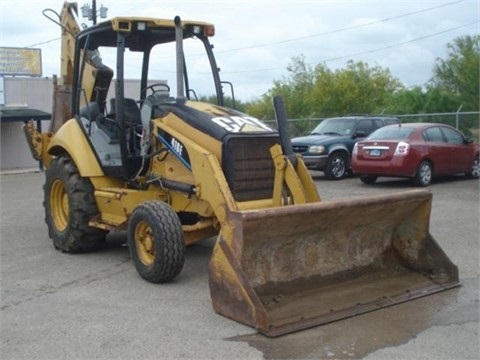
{"x": 336, "y": 167}
{"x": 474, "y": 172}
{"x": 423, "y": 177}
{"x": 368, "y": 179}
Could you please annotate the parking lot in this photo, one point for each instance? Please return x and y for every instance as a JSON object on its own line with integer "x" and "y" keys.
{"x": 61, "y": 306}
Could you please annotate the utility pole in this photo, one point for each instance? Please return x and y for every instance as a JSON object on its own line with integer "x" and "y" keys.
{"x": 90, "y": 12}
{"x": 94, "y": 11}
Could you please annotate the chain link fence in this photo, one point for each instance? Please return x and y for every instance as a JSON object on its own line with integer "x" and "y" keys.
{"x": 467, "y": 122}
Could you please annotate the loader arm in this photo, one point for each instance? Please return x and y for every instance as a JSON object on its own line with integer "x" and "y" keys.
{"x": 293, "y": 183}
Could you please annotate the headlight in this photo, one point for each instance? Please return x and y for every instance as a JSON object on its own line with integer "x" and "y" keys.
{"x": 316, "y": 149}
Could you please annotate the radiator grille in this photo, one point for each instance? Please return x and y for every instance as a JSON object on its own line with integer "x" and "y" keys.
{"x": 248, "y": 166}
{"x": 300, "y": 148}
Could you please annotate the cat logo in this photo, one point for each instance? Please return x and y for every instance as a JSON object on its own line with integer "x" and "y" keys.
{"x": 241, "y": 124}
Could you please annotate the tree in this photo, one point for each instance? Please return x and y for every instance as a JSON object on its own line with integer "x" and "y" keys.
{"x": 361, "y": 89}
{"x": 357, "y": 89}
{"x": 321, "y": 92}
{"x": 405, "y": 101}
{"x": 459, "y": 74}
{"x": 229, "y": 102}
{"x": 294, "y": 88}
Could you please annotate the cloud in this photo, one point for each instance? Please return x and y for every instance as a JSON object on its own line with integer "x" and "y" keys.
{"x": 256, "y": 40}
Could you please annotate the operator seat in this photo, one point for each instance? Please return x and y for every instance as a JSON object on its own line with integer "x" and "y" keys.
{"x": 131, "y": 111}
{"x": 133, "y": 122}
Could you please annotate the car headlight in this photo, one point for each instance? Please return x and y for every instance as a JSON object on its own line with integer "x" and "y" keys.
{"x": 316, "y": 149}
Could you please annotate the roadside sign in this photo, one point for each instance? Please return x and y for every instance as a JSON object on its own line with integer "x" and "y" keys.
{"x": 20, "y": 61}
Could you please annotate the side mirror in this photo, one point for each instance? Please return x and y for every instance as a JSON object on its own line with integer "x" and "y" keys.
{"x": 467, "y": 140}
{"x": 358, "y": 134}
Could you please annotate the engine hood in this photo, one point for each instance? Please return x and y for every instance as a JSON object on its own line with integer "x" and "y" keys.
{"x": 214, "y": 120}
{"x": 318, "y": 139}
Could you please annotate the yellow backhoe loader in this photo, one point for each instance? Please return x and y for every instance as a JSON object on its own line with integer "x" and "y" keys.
{"x": 172, "y": 170}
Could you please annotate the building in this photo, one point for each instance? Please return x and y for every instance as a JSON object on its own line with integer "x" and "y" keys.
{"x": 23, "y": 93}
{"x": 33, "y": 93}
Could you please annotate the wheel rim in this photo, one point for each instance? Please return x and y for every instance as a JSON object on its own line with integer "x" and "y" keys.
{"x": 59, "y": 206}
{"x": 476, "y": 168}
{"x": 338, "y": 167}
{"x": 425, "y": 174}
{"x": 144, "y": 243}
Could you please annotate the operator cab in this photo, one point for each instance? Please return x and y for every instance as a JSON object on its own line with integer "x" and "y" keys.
{"x": 117, "y": 117}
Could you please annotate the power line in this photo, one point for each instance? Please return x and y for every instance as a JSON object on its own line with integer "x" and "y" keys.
{"x": 363, "y": 52}
{"x": 44, "y": 42}
{"x": 400, "y": 43}
{"x": 341, "y": 29}
{"x": 314, "y": 35}
{"x": 331, "y": 32}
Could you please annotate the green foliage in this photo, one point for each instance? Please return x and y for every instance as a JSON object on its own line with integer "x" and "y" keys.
{"x": 320, "y": 92}
{"x": 294, "y": 89}
{"x": 405, "y": 101}
{"x": 261, "y": 109}
{"x": 438, "y": 99}
{"x": 357, "y": 89}
{"x": 459, "y": 74}
{"x": 229, "y": 102}
{"x": 301, "y": 127}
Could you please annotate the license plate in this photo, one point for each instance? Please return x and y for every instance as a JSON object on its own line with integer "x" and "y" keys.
{"x": 375, "y": 152}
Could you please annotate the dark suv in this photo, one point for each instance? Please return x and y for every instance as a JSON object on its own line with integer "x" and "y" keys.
{"x": 328, "y": 147}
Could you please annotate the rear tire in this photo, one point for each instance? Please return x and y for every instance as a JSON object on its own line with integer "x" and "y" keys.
{"x": 69, "y": 205}
{"x": 424, "y": 174}
{"x": 336, "y": 167}
{"x": 368, "y": 179}
{"x": 474, "y": 172}
{"x": 155, "y": 241}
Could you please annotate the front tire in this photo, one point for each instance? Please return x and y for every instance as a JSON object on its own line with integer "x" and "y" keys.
{"x": 336, "y": 167}
{"x": 69, "y": 205}
{"x": 155, "y": 241}
{"x": 368, "y": 179}
{"x": 474, "y": 172}
{"x": 424, "y": 174}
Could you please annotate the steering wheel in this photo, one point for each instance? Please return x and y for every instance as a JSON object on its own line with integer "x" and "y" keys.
{"x": 153, "y": 86}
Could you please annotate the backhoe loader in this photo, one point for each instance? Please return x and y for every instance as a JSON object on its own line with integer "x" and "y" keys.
{"x": 171, "y": 170}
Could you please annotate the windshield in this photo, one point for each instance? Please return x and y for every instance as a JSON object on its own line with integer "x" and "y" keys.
{"x": 335, "y": 126}
{"x": 200, "y": 81}
{"x": 392, "y": 133}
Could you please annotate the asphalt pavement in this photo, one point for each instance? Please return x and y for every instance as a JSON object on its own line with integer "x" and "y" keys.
{"x": 96, "y": 306}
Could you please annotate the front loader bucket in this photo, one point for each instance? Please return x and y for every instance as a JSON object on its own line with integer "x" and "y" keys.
{"x": 288, "y": 268}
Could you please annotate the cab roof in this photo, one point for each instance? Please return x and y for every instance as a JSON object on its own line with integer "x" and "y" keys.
{"x": 141, "y": 32}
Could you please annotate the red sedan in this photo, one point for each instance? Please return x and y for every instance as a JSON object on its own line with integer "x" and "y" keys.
{"x": 418, "y": 151}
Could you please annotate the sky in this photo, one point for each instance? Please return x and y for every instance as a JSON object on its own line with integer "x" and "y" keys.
{"x": 255, "y": 41}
